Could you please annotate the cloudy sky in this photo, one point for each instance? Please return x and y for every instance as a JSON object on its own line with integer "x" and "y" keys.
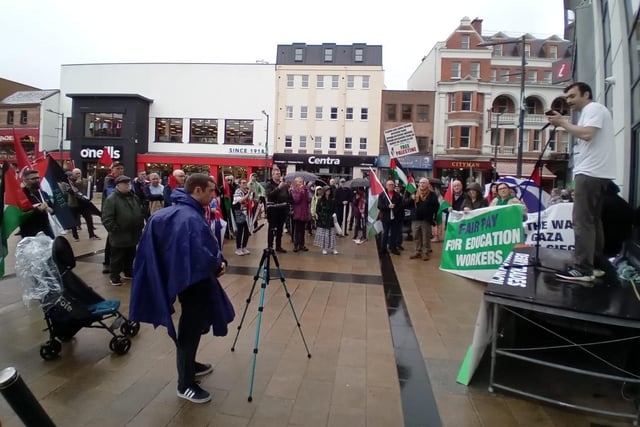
{"x": 40, "y": 35}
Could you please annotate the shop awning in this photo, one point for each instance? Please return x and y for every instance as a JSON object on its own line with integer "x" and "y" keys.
{"x": 509, "y": 169}
{"x": 23, "y": 134}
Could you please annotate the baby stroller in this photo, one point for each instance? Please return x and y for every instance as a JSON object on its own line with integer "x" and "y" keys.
{"x": 44, "y": 267}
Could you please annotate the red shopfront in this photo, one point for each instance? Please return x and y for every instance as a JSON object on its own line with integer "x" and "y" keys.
{"x": 29, "y": 137}
{"x": 239, "y": 167}
{"x": 464, "y": 170}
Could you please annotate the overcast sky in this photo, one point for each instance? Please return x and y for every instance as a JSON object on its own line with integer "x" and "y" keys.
{"x": 40, "y": 35}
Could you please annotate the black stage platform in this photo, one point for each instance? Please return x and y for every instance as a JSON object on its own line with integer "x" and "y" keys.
{"x": 586, "y": 329}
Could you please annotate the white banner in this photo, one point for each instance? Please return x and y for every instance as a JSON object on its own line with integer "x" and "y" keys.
{"x": 556, "y": 227}
{"x": 401, "y": 141}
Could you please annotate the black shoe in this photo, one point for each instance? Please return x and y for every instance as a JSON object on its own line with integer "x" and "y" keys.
{"x": 304, "y": 249}
{"x": 195, "y": 394}
{"x": 394, "y": 251}
{"x": 106, "y": 269}
{"x": 203, "y": 369}
{"x": 575, "y": 275}
{"x": 281, "y": 250}
{"x": 401, "y": 247}
{"x": 295, "y": 249}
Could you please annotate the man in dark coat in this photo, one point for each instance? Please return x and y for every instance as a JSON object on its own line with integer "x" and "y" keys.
{"x": 344, "y": 198}
{"x": 392, "y": 214}
{"x": 38, "y": 220}
{"x": 179, "y": 257}
{"x": 117, "y": 169}
{"x": 278, "y": 204}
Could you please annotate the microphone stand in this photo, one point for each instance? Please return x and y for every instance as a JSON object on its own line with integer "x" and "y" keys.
{"x": 535, "y": 262}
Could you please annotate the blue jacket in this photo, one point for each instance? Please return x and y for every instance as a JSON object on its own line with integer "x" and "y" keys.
{"x": 177, "y": 249}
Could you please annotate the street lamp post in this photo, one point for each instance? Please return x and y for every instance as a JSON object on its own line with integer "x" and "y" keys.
{"x": 266, "y": 148}
{"x": 61, "y": 115}
{"x": 495, "y": 148}
{"x": 523, "y": 64}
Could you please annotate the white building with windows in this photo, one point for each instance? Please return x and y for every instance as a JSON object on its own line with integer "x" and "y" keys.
{"x": 328, "y": 108}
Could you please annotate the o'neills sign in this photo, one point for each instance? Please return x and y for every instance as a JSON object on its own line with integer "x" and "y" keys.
{"x": 462, "y": 164}
{"x": 93, "y": 153}
{"x": 323, "y": 159}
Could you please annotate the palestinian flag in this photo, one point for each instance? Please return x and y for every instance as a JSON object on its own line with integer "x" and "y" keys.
{"x": 445, "y": 204}
{"x": 14, "y": 203}
{"x": 375, "y": 189}
{"x": 407, "y": 180}
{"x": 49, "y": 184}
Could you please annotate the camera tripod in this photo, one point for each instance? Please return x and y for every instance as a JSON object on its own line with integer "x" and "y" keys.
{"x": 264, "y": 267}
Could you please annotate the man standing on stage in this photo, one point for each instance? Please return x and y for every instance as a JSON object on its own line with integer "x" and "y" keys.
{"x": 594, "y": 168}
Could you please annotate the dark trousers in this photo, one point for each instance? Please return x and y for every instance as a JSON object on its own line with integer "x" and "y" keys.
{"x": 587, "y": 220}
{"x": 276, "y": 221}
{"x": 88, "y": 218}
{"x": 242, "y": 235}
{"x": 107, "y": 253}
{"x": 342, "y": 212}
{"x": 122, "y": 261}
{"x": 391, "y": 235}
{"x": 360, "y": 227}
{"x": 298, "y": 233}
{"x": 193, "y": 301}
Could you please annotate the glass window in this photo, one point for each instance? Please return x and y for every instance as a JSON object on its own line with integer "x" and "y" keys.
{"x": 333, "y": 142}
{"x": 548, "y": 75}
{"x": 334, "y": 113}
{"x": 238, "y": 132}
{"x": 452, "y": 137}
{"x": 9, "y": 117}
{"x": 536, "y": 140}
{"x": 530, "y": 105}
{"x": 204, "y": 131}
{"x": 532, "y": 76}
{"x": 348, "y": 143}
{"x": 304, "y": 112}
{"x": 390, "y": 112}
{"x": 305, "y": 80}
{"x": 466, "y": 101}
{"x": 328, "y": 54}
{"x": 109, "y": 125}
{"x": 318, "y": 112}
{"x": 289, "y": 113}
{"x": 349, "y": 113}
{"x": 298, "y": 54}
{"x": 364, "y": 113}
{"x": 303, "y": 141}
{"x": 464, "y": 41}
{"x": 287, "y": 141}
{"x": 363, "y": 144}
{"x": 365, "y": 82}
{"x": 452, "y": 102}
{"x": 422, "y": 113}
{"x": 494, "y": 73}
{"x": 553, "y": 52}
{"x": 475, "y": 70}
{"x": 358, "y": 55}
{"x": 527, "y": 50}
{"x": 335, "y": 82}
{"x": 407, "y": 112}
{"x": 320, "y": 81}
{"x": 422, "y": 143}
{"x": 465, "y": 136}
{"x": 497, "y": 50}
{"x": 455, "y": 70}
{"x": 23, "y": 117}
{"x": 290, "y": 80}
{"x": 504, "y": 75}
{"x": 317, "y": 143}
{"x": 351, "y": 82}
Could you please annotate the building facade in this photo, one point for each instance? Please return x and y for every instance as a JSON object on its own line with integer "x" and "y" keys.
{"x": 400, "y": 107}
{"x": 29, "y": 117}
{"x": 160, "y": 117}
{"x": 327, "y": 115}
{"x": 477, "y": 81}
{"x": 606, "y": 38}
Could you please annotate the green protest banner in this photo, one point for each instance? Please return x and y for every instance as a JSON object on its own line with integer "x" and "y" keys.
{"x": 477, "y": 242}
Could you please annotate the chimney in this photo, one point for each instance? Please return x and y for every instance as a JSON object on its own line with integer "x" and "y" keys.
{"x": 477, "y": 25}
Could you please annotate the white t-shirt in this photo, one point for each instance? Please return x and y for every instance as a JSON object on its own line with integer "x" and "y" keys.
{"x": 596, "y": 158}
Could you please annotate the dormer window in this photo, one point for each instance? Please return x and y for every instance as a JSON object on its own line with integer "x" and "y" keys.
{"x": 553, "y": 52}
{"x": 464, "y": 41}
{"x": 328, "y": 54}
{"x": 358, "y": 55}
{"x": 298, "y": 52}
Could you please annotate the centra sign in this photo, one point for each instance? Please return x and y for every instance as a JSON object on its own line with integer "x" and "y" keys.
{"x": 90, "y": 153}
{"x": 313, "y": 160}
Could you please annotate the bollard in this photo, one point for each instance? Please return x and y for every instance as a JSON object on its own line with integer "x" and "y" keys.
{"x": 23, "y": 402}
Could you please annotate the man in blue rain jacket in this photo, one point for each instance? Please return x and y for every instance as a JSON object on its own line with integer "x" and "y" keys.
{"x": 178, "y": 257}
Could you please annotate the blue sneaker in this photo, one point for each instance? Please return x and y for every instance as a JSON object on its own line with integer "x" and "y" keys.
{"x": 195, "y": 394}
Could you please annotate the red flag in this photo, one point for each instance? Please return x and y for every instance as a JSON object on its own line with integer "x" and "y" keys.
{"x": 21, "y": 155}
{"x": 376, "y": 186}
{"x": 105, "y": 158}
{"x": 173, "y": 183}
{"x": 41, "y": 165}
{"x": 448, "y": 196}
{"x": 227, "y": 189}
{"x": 535, "y": 176}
